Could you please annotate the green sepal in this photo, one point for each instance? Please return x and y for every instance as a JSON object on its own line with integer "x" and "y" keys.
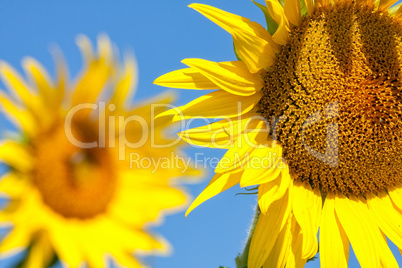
{"x": 272, "y": 26}
{"x": 303, "y": 8}
{"x": 236, "y": 53}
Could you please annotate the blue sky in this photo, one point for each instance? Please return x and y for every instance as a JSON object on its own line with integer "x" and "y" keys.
{"x": 161, "y": 34}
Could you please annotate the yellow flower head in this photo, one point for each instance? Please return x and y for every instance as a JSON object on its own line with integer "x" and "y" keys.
{"x": 76, "y": 185}
{"x": 311, "y": 113}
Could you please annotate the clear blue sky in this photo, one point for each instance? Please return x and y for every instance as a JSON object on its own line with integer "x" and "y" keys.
{"x": 161, "y": 33}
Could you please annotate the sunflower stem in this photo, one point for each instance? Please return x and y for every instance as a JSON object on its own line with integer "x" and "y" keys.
{"x": 242, "y": 258}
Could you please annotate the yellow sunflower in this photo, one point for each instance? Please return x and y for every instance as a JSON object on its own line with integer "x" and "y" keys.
{"x": 311, "y": 113}
{"x": 76, "y": 185}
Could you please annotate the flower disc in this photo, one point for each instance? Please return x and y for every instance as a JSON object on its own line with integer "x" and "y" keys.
{"x": 335, "y": 95}
{"x": 75, "y": 182}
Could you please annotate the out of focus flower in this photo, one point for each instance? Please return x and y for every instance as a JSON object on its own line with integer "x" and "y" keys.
{"x": 84, "y": 179}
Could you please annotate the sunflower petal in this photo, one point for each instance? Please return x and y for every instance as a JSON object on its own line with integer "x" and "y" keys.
{"x": 95, "y": 75}
{"x": 310, "y": 6}
{"x": 266, "y": 164}
{"x": 40, "y": 77}
{"x": 17, "y": 85}
{"x": 270, "y": 192}
{"x": 366, "y": 239}
{"x": 267, "y": 231}
{"x": 218, "y": 184}
{"x": 126, "y": 260}
{"x": 13, "y": 185}
{"x": 334, "y": 244}
{"x": 65, "y": 245}
{"x": 126, "y": 85}
{"x": 231, "y": 76}
{"x": 295, "y": 258}
{"x": 253, "y": 43}
{"x": 221, "y": 134}
{"x": 17, "y": 239}
{"x": 225, "y": 105}
{"x": 388, "y": 218}
{"x": 322, "y": 3}
{"x": 307, "y": 211}
{"x": 238, "y": 157}
{"x": 398, "y": 13}
{"x": 40, "y": 253}
{"x": 386, "y": 4}
{"x": 21, "y": 118}
{"x": 188, "y": 78}
{"x": 15, "y": 155}
{"x": 281, "y": 250}
{"x": 292, "y": 11}
{"x": 396, "y": 195}
{"x": 278, "y": 14}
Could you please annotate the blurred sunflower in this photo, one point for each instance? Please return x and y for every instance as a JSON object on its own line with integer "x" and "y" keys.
{"x": 73, "y": 191}
{"x": 311, "y": 113}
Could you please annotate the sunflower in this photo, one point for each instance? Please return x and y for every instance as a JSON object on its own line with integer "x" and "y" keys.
{"x": 77, "y": 190}
{"x": 310, "y": 114}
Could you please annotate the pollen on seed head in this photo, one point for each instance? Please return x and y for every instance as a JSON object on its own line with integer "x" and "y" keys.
{"x": 349, "y": 55}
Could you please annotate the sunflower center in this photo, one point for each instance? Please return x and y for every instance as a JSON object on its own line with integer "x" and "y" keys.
{"x": 335, "y": 93}
{"x": 74, "y": 182}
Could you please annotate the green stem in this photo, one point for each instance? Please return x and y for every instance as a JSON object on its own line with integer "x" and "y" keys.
{"x": 241, "y": 259}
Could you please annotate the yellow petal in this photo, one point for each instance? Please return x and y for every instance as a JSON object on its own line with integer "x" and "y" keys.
{"x": 61, "y": 74}
{"x": 40, "y": 253}
{"x": 310, "y": 6}
{"x": 95, "y": 74}
{"x": 21, "y": 118}
{"x": 398, "y": 13}
{"x": 366, "y": 239}
{"x": 265, "y": 165}
{"x": 90, "y": 83}
{"x": 292, "y": 11}
{"x": 217, "y": 104}
{"x": 281, "y": 250}
{"x": 17, "y": 85}
{"x": 96, "y": 258}
{"x": 334, "y": 244}
{"x": 48, "y": 94}
{"x": 126, "y": 260}
{"x": 65, "y": 245}
{"x": 238, "y": 156}
{"x": 17, "y": 239}
{"x": 386, "y": 4}
{"x": 41, "y": 78}
{"x": 13, "y": 185}
{"x": 267, "y": 231}
{"x": 307, "y": 211}
{"x": 16, "y": 155}
{"x": 218, "y": 184}
{"x": 295, "y": 254}
{"x": 126, "y": 84}
{"x": 272, "y": 191}
{"x": 278, "y": 14}
{"x": 187, "y": 78}
{"x": 105, "y": 49}
{"x": 253, "y": 43}
{"x": 86, "y": 49}
{"x": 396, "y": 195}
{"x": 232, "y": 76}
{"x": 322, "y": 3}
{"x": 221, "y": 134}
{"x": 388, "y": 218}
